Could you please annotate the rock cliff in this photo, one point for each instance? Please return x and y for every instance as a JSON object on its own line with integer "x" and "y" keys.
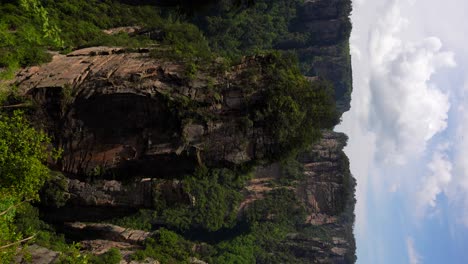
{"x": 127, "y": 133}
{"x": 132, "y": 126}
{"x": 159, "y": 117}
{"x": 326, "y": 190}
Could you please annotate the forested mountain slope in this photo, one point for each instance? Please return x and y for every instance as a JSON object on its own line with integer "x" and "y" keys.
{"x": 175, "y": 132}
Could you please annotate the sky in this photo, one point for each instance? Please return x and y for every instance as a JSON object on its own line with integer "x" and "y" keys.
{"x": 406, "y": 127}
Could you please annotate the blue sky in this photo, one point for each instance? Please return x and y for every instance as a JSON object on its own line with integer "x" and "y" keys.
{"x": 406, "y": 128}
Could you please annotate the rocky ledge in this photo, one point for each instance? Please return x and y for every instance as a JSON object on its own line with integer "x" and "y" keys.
{"x": 157, "y": 113}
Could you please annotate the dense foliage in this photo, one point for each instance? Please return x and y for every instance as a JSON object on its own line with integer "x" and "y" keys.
{"x": 267, "y": 222}
{"x": 214, "y": 198}
{"x": 23, "y": 151}
{"x": 235, "y": 30}
{"x": 294, "y": 109}
{"x": 24, "y": 32}
{"x": 55, "y": 190}
{"x": 29, "y": 27}
{"x": 167, "y": 247}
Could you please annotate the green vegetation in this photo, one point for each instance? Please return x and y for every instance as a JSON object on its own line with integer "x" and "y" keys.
{"x": 209, "y": 203}
{"x": 143, "y": 220}
{"x": 267, "y": 222}
{"x": 29, "y": 27}
{"x": 257, "y": 239}
{"x": 213, "y": 200}
{"x": 112, "y": 256}
{"x": 25, "y": 32}
{"x": 27, "y": 223}
{"x": 241, "y": 249}
{"x": 294, "y": 109}
{"x": 22, "y": 153}
{"x": 166, "y": 247}
{"x": 292, "y": 170}
{"x": 280, "y": 206}
{"x": 55, "y": 190}
{"x": 186, "y": 42}
{"x": 236, "y": 30}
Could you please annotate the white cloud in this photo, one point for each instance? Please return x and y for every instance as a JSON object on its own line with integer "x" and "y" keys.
{"x": 359, "y": 2}
{"x": 355, "y": 52}
{"x": 413, "y": 255}
{"x": 437, "y": 182}
{"x": 407, "y": 109}
{"x": 449, "y": 174}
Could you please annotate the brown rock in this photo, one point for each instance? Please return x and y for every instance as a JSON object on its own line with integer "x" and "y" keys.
{"x": 111, "y": 232}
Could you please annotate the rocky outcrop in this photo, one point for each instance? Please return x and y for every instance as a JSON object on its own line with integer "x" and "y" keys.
{"x": 37, "y": 254}
{"x": 320, "y": 250}
{"x": 326, "y": 191}
{"x": 101, "y": 200}
{"x": 159, "y": 117}
{"x": 100, "y": 246}
{"x": 122, "y": 117}
{"x": 323, "y": 189}
{"x": 107, "y": 232}
{"x": 41, "y": 255}
{"x": 111, "y": 193}
{"x": 84, "y": 93}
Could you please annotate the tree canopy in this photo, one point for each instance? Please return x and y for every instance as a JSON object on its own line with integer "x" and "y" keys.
{"x": 23, "y": 151}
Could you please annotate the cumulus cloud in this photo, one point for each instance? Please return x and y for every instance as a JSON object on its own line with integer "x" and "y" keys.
{"x": 407, "y": 109}
{"x": 413, "y": 255}
{"x": 449, "y": 174}
{"x": 437, "y": 182}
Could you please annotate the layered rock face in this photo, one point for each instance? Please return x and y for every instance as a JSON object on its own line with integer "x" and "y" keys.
{"x": 113, "y": 110}
{"x": 122, "y": 121}
{"x": 326, "y": 190}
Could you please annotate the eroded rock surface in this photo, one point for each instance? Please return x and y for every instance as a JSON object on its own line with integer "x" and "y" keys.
{"x": 108, "y": 232}
{"x": 111, "y": 193}
{"x": 326, "y": 172}
{"x": 326, "y": 191}
{"x": 157, "y": 114}
{"x": 38, "y": 254}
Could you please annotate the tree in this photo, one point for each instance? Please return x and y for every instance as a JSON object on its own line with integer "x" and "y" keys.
{"x": 40, "y": 15}
{"x": 25, "y": 33}
{"x": 23, "y": 152}
{"x": 293, "y": 110}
